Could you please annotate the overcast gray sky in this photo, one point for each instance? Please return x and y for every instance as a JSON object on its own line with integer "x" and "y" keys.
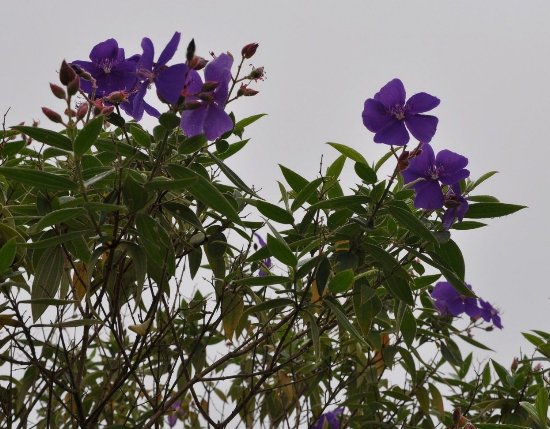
{"x": 488, "y": 61}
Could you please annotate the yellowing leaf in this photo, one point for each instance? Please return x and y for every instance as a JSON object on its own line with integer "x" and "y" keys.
{"x": 232, "y": 310}
{"x": 80, "y": 281}
{"x": 8, "y": 320}
{"x": 142, "y": 328}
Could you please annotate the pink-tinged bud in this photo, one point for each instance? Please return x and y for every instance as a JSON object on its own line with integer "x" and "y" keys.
{"x": 81, "y": 111}
{"x": 192, "y": 105}
{"x": 514, "y": 366}
{"x": 70, "y": 113}
{"x": 117, "y": 97}
{"x": 106, "y": 111}
{"x": 66, "y": 73}
{"x": 537, "y": 367}
{"x": 246, "y": 92}
{"x": 73, "y": 86}
{"x": 58, "y": 91}
{"x": 249, "y": 50}
{"x": 209, "y": 86}
{"x": 98, "y": 106}
{"x": 52, "y": 116}
{"x": 197, "y": 63}
{"x": 256, "y": 74}
{"x": 457, "y": 414}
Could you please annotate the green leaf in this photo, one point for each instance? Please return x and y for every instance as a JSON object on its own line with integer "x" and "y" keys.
{"x": 468, "y": 224}
{"x": 490, "y": 210}
{"x": 341, "y": 282}
{"x": 40, "y": 179}
{"x": 482, "y": 179}
{"x": 296, "y": 182}
{"x": 243, "y": 123}
{"x": 231, "y": 175}
{"x": 49, "y": 301}
{"x": 306, "y": 193}
{"x": 541, "y": 404}
{"x": 343, "y": 320}
{"x": 423, "y": 399}
{"x": 335, "y": 169}
{"x": 183, "y": 213}
{"x": 100, "y": 176}
{"x": 409, "y": 221}
{"x": 348, "y": 152}
{"x": 280, "y": 250}
{"x": 140, "y": 136}
{"x": 499, "y": 425}
{"x": 204, "y": 191}
{"x": 169, "y": 120}
{"x": 532, "y": 411}
{"x": 69, "y": 324}
{"x": 51, "y": 138}
{"x": 340, "y": 202}
{"x": 365, "y": 172}
{"x": 7, "y": 254}
{"x": 232, "y": 149}
{"x": 408, "y": 327}
{"x": 270, "y": 304}
{"x": 450, "y": 254}
{"x": 53, "y": 241}
{"x": 88, "y": 135}
{"x": 274, "y": 212}
{"x": 56, "y": 217}
{"x": 47, "y": 278}
{"x": 165, "y": 184}
{"x": 192, "y": 144}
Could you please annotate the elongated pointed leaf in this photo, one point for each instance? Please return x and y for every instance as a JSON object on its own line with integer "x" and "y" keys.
{"x": 47, "y": 278}
{"x": 88, "y": 135}
{"x": 306, "y": 193}
{"x": 489, "y": 210}
{"x": 343, "y": 320}
{"x": 7, "y": 254}
{"x": 408, "y": 220}
{"x": 51, "y": 138}
{"x": 280, "y": 250}
{"x": 231, "y": 175}
{"x": 273, "y": 212}
{"x": 349, "y": 152}
{"x": 39, "y": 179}
{"x": 56, "y": 217}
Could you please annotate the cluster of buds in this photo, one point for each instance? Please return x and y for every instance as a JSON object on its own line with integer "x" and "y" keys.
{"x": 256, "y": 74}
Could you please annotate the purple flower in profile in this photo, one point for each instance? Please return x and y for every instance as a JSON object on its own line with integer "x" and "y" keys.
{"x": 173, "y": 414}
{"x": 329, "y": 420}
{"x": 389, "y": 116}
{"x": 447, "y": 167}
{"x": 451, "y": 303}
{"x": 490, "y": 314}
{"x": 207, "y": 115}
{"x": 108, "y": 66}
{"x": 168, "y": 80}
{"x": 456, "y": 204}
{"x": 266, "y": 263}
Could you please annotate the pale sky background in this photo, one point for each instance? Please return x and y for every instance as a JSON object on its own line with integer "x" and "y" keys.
{"x": 488, "y": 62}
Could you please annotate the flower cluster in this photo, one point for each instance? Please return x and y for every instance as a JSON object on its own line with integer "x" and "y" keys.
{"x": 450, "y": 303}
{"x": 112, "y": 78}
{"x": 435, "y": 178}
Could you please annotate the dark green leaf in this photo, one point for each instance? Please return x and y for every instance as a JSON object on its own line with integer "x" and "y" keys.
{"x": 348, "y": 152}
{"x": 243, "y": 123}
{"x": 306, "y": 193}
{"x": 468, "y": 224}
{"x": 88, "y": 135}
{"x": 335, "y": 169}
{"x": 489, "y": 210}
{"x": 274, "y": 212}
{"x": 47, "y": 279}
{"x": 51, "y": 138}
{"x": 263, "y": 281}
{"x": 231, "y": 175}
{"x": 270, "y": 304}
{"x": 341, "y": 202}
{"x": 169, "y": 120}
{"x": 341, "y": 282}
{"x": 296, "y": 182}
{"x": 408, "y": 220}
{"x": 7, "y": 254}
{"x": 165, "y": 184}
{"x": 343, "y": 320}
{"x": 450, "y": 254}
{"x": 280, "y": 250}
{"x": 367, "y": 174}
{"x": 192, "y": 144}
{"x": 40, "y": 179}
{"x": 56, "y": 217}
{"x": 140, "y": 136}
{"x": 408, "y": 327}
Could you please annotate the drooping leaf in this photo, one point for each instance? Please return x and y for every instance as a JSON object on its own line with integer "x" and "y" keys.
{"x": 46, "y": 279}
{"x": 408, "y": 220}
{"x": 306, "y": 193}
{"x": 51, "y": 138}
{"x": 280, "y": 250}
{"x": 343, "y": 320}
{"x": 88, "y": 135}
{"x": 56, "y": 217}
{"x": 38, "y": 178}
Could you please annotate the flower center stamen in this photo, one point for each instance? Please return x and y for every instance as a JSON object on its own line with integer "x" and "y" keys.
{"x": 398, "y": 111}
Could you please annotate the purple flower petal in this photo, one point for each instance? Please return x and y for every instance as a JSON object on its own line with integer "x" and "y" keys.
{"x": 375, "y": 116}
{"x": 148, "y": 55}
{"x": 394, "y": 134}
{"x": 422, "y": 127}
{"x": 169, "y": 51}
{"x": 451, "y": 166}
{"x": 471, "y": 308}
{"x": 170, "y": 81}
{"x": 219, "y": 70}
{"x": 192, "y": 121}
{"x": 107, "y": 50}
{"x": 217, "y": 122}
{"x": 392, "y": 94}
{"x": 428, "y": 195}
{"x": 420, "y": 165}
{"x": 421, "y": 102}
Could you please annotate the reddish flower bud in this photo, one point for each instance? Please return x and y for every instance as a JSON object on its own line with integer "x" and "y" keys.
{"x": 117, "y": 97}
{"x": 256, "y": 74}
{"x": 249, "y": 50}
{"x": 52, "y": 116}
{"x": 70, "y": 113}
{"x": 58, "y": 91}
{"x": 107, "y": 110}
{"x": 73, "y": 86}
{"x": 457, "y": 414}
{"x": 98, "y": 106}
{"x": 192, "y": 105}
{"x": 81, "y": 111}
{"x": 246, "y": 92}
{"x": 209, "y": 86}
{"x": 66, "y": 73}
{"x": 197, "y": 63}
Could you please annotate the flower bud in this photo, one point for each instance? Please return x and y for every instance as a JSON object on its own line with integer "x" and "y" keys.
{"x": 107, "y": 110}
{"x": 98, "y": 106}
{"x": 209, "y": 86}
{"x": 457, "y": 414}
{"x": 249, "y": 50}
{"x": 514, "y": 365}
{"x": 58, "y": 91}
{"x": 117, "y": 97}
{"x": 52, "y": 116}
{"x": 192, "y": 105}
{"x": 70, "y": 113}
{"x": 256, "y": 74}
{"x": 403, "y": 161}
{"x": 197, "y": 63}
{"x": 246, "y": 92}
{"x": 66, "y": 73}
{"x": 73, "y": 86}
{"x": 190, "y": 51}
{"x": 81, "y": 111}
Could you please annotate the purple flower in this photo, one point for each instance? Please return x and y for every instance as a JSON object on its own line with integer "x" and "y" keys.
{"x": 450, "y": 303}
{"x": 168, "y": 80}
{"x": 490, "y": 313}
{"x": 266, "y": 263}
{"x": 111, "y": 71}
{"x": 207, "y": 115}
{"x": 447, "y": 167}
{"x": 174, "y": 413}
{"x": 330, "y": 420}
{"x": 387, "y": 114}
{"x": 456, "y": 204}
